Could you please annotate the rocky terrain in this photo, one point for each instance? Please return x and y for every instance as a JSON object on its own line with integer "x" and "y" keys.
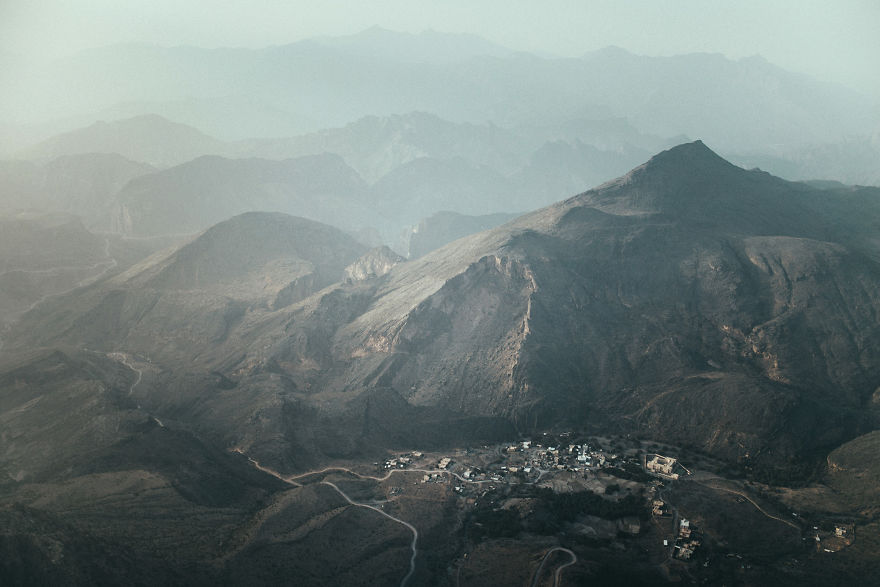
{"x": 150, "y": 414}
{"x": 701, "y": 303}
{"x": 83, "y": 184}
{"x": 444, "y": 227}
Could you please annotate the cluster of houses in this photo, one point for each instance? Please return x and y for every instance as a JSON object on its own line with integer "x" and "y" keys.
{"x": 401, "y": 461}
{"x": 686, "y": 540}
{"x": 842, "y": 536}
{"x": 686, "y": 543}
{"x": 525, "y": 460}
{"x": 577, "y": 458}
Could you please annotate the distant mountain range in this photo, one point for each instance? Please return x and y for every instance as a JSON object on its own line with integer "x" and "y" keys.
{"x": 400, "y": 169}
{"x": 417, "y": 165}
{"x": 149, "y": 139}
{"x": 309, "y": 85}
{"x": 82, "y": 184}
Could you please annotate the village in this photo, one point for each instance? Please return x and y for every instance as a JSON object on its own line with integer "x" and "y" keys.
{"x": 563, "y": 466}
{"x": 616, "y": 470}
{"x": 527, "y": 461}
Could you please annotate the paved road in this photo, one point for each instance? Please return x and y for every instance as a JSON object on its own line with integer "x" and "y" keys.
{"x": 540, "y": 570}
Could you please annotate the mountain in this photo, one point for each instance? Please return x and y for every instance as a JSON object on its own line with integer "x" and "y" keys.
{"x": 427, "y": 185}
{"x": 416, "y": 164}
{"x": 375, "y": 263}
{"x": 854, "y": 160}
{"x": 561, "y": 167}
{"x": 83, "y": 185}
{"x": 149, "y": 139}
{"x": 376, "y": 145}
{"x": 429, "y": 46}
{"x": 292, "y": 89}
{"x": 149, "y": 418}
{"x": 193, "y": 196}
{"x": 689, "y": 301}
{"x": 43, "y": 254}
{"x": 444, "y": 227}
{"x": 114, "y": 495}
{"x": 200, "y": 291}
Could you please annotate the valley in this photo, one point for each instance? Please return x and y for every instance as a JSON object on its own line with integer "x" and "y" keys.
{"x": 295, "y": 301}
{"x": 500, "y": 494}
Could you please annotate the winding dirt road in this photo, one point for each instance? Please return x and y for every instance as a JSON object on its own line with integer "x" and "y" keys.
{"x": 540, "y": 570}
{"x": 415, "y": 532}
{"x": 292, "y": 480}
{"x": 751, "y": 501}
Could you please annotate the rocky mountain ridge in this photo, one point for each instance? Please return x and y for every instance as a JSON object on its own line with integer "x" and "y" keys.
{"x": 689, "y": 300}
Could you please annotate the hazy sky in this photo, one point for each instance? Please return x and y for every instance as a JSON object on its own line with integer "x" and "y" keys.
{"x": 837, "y": 40}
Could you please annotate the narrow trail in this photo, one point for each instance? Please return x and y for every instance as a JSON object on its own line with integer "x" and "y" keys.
{"x": 559, "y": 569}
{"x": 267, "y": 470}
{"x": 292, "y": 480}
{"x": 415, "y": 532}
{"x": 395, "y": 471}
{"x": 123, "y": 358}
{"x": 537, "y": 576}
{"x": 751, "y": 501}
{"x": 110, "y": 264}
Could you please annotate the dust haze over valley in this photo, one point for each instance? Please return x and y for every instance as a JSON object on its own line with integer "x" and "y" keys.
{"x": 421, "y": 293}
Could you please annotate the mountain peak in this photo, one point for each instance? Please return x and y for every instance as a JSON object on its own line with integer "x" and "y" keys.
{"x": 688, "y": 181}
{"x": 686, "y": 162}
{"x": 694, "y": 153}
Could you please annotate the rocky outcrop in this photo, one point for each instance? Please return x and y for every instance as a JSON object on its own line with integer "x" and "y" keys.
{"x": 375, "y": 263}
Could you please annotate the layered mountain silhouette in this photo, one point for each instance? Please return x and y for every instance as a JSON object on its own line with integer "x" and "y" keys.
{"x": 83, "y": 184}
{"x": 191, "y": 197}
{"x": 148, "y": 138}
{"x": 689, "y": 300}
{"x": 313, "y": 84}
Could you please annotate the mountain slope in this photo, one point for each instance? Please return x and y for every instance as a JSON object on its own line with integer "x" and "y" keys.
{"x": 193, "y": 196}
{"x": 75, "y": 184}
{"x": 689, "y": 300}
{"x": 147, "y": 138}
{"x": 189, "y": 298}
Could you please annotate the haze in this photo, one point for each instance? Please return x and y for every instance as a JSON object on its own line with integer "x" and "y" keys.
{"x": 472, "y": 294}
{"x": 834, "y": 41}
